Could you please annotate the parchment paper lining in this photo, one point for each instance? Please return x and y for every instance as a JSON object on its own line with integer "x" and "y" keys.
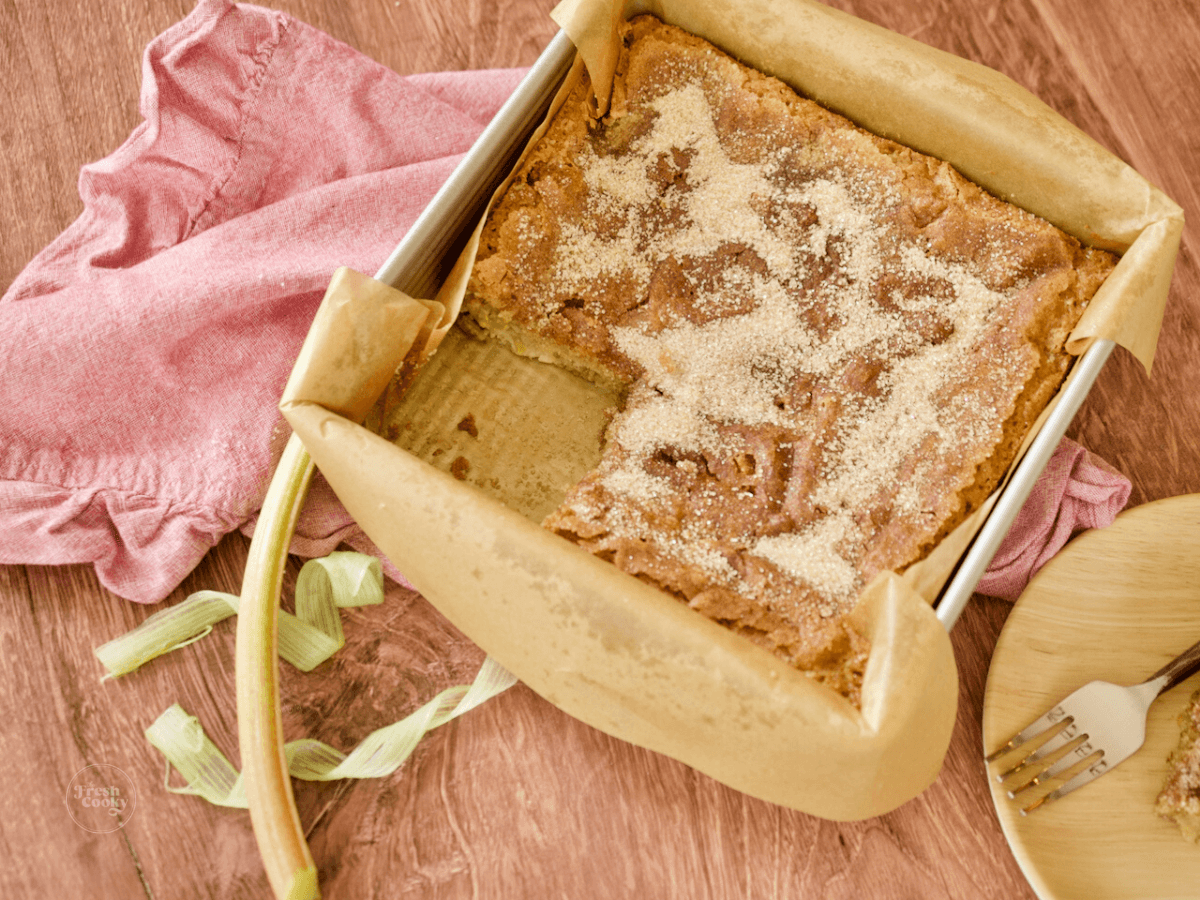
{"x": 619, "y": 654}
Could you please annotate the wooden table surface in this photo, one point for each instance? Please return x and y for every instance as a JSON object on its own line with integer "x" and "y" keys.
{"x": 516, "y": 799}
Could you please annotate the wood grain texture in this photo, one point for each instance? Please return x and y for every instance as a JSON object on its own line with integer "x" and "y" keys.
{"x": 516, "y": 799}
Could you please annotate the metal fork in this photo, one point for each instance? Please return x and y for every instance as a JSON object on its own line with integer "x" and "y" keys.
{"x": 1087, "y": 734}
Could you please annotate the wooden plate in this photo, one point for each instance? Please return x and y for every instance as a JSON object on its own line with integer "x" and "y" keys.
{"x": 1116, "y": 604}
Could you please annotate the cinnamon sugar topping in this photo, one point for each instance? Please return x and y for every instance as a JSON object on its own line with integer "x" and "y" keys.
{"x": 825, "y": 338}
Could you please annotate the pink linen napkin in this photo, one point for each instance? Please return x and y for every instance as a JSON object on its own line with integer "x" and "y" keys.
{"x": 1076, "y": 490}
{"x": 146, "y": 348}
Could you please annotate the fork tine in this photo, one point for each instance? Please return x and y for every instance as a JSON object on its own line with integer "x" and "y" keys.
{"x": 1079, "y": 752}
{"x": 1055, "y": 716}
{"x": 1092, "y": 772}
{"x": 1033, "y": 741}
{"x": 1046, "y": 755}
{"x": 1067, "y": 734}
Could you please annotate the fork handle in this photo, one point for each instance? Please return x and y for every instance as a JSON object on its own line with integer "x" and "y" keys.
{"x": 1181, "y": 667}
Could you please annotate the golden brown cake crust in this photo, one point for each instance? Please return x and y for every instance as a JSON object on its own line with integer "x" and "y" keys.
{"x": 831, "y": 344}
{"x": 1179, "y": 800}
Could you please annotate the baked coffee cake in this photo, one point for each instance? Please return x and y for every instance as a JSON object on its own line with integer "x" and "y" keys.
{"x": 829, "y": 345}
{"x": 1179, "y": 800}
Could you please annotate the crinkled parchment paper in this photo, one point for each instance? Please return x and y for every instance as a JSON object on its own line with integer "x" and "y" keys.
{"x": 483, "y": 444}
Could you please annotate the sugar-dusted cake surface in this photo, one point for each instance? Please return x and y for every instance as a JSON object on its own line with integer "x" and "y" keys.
{"x": 830, "y": 345}
{"x": 1179, "y": 799}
